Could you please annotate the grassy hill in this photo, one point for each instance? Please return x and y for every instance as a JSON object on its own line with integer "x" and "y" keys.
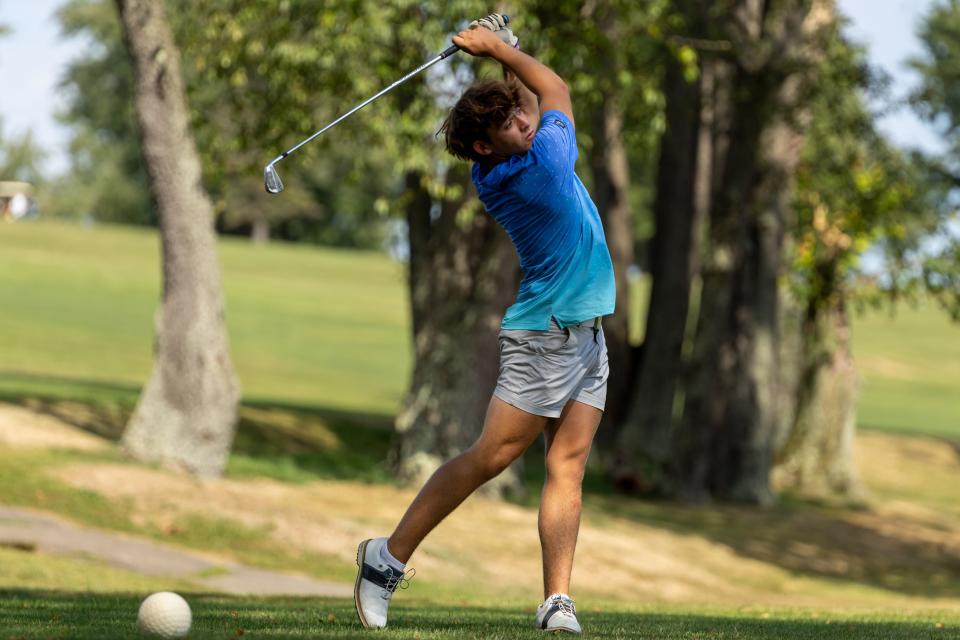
{"x": 313, "y": 327}
{"x": 329, "y": 328}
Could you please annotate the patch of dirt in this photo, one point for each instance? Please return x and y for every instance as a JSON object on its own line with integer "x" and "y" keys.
{"x": 22, "y": 428}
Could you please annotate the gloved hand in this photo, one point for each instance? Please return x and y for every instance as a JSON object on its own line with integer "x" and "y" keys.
{"x": 498, "y": 24}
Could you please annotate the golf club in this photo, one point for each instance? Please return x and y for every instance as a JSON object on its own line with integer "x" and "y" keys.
{"x": 271, "y": 179}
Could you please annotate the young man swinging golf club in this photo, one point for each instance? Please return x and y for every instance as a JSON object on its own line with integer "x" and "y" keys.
{"x": 553, "y": 359}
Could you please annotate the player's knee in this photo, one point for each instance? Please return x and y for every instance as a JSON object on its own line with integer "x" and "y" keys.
{"x": 500, "y": 458}
{"x": 567, "y": 464}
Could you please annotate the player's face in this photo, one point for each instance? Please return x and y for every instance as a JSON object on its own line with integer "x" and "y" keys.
{"x": 513, "y": 137}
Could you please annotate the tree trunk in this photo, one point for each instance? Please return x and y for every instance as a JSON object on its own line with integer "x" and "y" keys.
{"x": 463, "y": 274}
{"x": 644, "y": 439}
{"x": 817, "y": 459}
{"x": 720, "y": 450}
{"x": 187, "y": 413}
{"x": 610, "y": 170}
{"x": 611, "y": 186}
{"x": 260, "y": 230}
{"x": 724, "y": 444}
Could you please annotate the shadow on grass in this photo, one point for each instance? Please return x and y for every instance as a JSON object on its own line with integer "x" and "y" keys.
{"x": 859, "y": 546}
{"x": 34, "y": 614}
{"x": 286, "y": 441}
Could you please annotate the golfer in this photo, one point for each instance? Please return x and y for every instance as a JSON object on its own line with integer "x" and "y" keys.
{"x": 553, "y": 359}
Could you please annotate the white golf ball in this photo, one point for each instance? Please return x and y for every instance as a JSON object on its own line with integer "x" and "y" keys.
{"x": 164, "y": 615}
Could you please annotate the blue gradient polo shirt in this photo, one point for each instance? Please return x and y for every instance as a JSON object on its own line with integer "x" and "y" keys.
{"x": 544, "y": 207}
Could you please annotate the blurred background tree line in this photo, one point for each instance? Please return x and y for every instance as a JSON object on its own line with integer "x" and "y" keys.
{"x": 729, "y": 147}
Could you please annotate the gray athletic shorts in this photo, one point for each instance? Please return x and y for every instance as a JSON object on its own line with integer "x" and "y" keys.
{"x": 540, "y": 371}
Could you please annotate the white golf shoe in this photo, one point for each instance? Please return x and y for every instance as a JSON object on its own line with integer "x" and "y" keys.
{"x": 558, "y": 613}
{"x": 376, "y": 582}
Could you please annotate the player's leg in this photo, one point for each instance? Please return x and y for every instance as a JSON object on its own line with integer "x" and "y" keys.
{"x": 568, "y": 442}
{"x": 507, "y": 432}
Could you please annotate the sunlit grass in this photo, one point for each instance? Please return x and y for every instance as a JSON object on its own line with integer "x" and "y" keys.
{"x": 33, "y": 615}
{"x": 321, "y": 327}
{"x": 330, "y": 328}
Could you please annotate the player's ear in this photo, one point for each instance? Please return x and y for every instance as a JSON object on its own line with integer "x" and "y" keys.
{"x": 482, "y": 148}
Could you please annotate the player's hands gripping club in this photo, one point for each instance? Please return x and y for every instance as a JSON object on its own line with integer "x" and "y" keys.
{"x": 478, "y": 42}
{"x": 497, "y": 23}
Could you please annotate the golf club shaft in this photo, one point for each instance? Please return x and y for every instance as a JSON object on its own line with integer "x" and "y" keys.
{"x": 446, "y": 53}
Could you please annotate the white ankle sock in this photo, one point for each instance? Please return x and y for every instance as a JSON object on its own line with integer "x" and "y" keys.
{"x": 387, "y": 557}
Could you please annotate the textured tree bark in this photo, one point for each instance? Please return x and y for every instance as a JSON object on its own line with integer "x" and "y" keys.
{"x": 722, "y": 445}
{"x": 611, "y": 186}
{"x": 463, "y": 274}
{"x": 186, "y": 415}
{"x": 645, "y": 437}
{"x": 733, "y": 388}
{"x": 817, "y": 459}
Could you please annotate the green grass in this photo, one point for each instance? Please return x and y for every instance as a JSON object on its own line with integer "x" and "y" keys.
{"x": 329, "y": 328}
{"x": 909, "y": 364}
{"x": 321, "y": 327}
{"x": 27, "y": 614}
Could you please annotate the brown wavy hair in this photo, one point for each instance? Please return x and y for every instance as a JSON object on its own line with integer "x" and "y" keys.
{"x": 483, "y": 106}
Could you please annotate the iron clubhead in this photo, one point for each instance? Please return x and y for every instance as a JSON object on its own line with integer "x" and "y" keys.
{"x": 271, "y": 179}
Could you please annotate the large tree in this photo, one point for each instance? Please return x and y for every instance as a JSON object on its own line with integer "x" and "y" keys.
{"x": 187, "y": 413}
{"x": 735, "y": 129}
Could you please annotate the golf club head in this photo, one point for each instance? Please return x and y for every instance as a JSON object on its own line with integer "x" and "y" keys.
{"x": 271, "y": 179}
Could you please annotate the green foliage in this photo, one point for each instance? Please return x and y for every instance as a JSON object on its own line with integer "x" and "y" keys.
{"x": 941, "y": 274}
{"x": 262, "y": 76}
{"x": 854, "y": 190}
{"x": 628, "y": 41}
{"x": 274, "y": 81}
{"x": 20, "y": 157}
{"x": 236, "y": 124}
{"x": 107, "y": 179}
{"x": 938, "y": 100}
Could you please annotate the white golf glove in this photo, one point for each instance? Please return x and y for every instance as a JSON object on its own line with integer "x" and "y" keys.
{"x": 498, "y": 25}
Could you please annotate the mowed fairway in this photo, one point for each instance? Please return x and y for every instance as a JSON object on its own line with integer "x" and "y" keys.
{"x": 329, "y": 328}
{"x": 909, "y": 363}
{"x": 317, "y": 327}
{"x": 29, "y": 615}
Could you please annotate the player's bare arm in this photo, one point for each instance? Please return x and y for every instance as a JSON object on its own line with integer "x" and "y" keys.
{"x": 529, "y": 102}
{"x": 549, "y": 88}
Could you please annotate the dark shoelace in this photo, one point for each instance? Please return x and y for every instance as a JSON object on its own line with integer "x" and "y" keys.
{"x": 565, "y": 605}
{"x": 398, "y": 581}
